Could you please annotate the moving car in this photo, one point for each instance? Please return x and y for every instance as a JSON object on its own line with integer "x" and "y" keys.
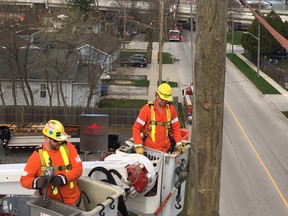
{"x": 174, "y": 35}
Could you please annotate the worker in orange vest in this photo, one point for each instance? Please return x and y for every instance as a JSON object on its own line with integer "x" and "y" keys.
{"x": 60, "y": 156}
{"x": 157, "y": 124}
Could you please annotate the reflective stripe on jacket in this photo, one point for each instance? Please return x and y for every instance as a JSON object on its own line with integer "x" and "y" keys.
{"x": 33, "y": 170}
{"x": 143, "y": 120}
{"x": 45, "y": 163}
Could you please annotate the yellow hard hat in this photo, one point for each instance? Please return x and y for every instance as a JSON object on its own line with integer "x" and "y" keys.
{"x": 165, "y": 92}
{"x": 55, "y": 130}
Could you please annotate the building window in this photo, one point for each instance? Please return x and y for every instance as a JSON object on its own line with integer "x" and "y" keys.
{"x": 43, "y": 90}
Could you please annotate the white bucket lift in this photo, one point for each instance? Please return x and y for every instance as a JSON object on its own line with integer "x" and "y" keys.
{"x": 166, "y": 174}
{"x": 153, "y": 184}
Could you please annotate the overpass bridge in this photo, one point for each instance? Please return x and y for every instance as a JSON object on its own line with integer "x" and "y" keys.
{"x": 183, "y": 13}
{"x": 243, "y": 15}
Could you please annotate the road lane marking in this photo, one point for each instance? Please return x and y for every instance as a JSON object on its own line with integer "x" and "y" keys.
{"x": 257, "y": 155}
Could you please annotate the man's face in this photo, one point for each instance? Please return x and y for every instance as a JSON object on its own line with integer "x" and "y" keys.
{"x": 161, "y": 102}
{"x": 55, "y": 145}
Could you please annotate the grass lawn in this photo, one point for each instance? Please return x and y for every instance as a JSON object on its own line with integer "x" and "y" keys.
{"x": 259, "y": 82}
{"x": 166, "y": 57}
{"x": 127, "y": 53}
{"x": 137, "y": 83}
{"x": 121, "y": 103}
{"x": 286, "y": 114}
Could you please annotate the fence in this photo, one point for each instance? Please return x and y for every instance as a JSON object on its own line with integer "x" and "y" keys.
{"x": 23, "y": 116}
{"x": 277, "y": 74}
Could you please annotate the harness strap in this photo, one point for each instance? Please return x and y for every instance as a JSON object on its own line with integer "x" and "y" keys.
{"x": 64, "y": 152}
{"x": 45, "y": 163}
{"x": 153, "y": 126}
{"x": 153, "y": 123}
{"x": 42, "y": 160}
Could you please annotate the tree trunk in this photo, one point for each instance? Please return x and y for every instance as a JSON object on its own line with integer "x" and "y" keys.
{"x": 210, "y": 61}
{"x": 57, "y": 92}
{"x": 25, "y": 76}
{"x": 22, "y": 81}
{"x": 13, "y": 85}
{"x": 62, "y": 93}
{"x": 1, "y": 94}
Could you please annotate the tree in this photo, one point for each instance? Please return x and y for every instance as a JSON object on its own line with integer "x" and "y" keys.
{"x": 146, "y": 21}
{"x": 285, "y": 29}
{"x": 17, "y": 48}
{"x": 233, "y": 9}
{"x": 84, "y": 6}
{"x": 94, "y": 72}
{"x": 268, "y": 42}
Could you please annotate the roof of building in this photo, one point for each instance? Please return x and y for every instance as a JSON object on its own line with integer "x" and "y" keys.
{"x": 51, "y": 64}
{"x": 104, "y": 41}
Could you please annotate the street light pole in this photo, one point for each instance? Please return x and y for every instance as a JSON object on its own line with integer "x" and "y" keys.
{"x": 125, "y": 23}
{"x": 258, "y": 50}
{"x": 161, "y": 7}
{"x": 232, "y": 32}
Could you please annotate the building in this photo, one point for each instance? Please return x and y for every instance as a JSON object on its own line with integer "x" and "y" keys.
{"x": 54, "y": 73}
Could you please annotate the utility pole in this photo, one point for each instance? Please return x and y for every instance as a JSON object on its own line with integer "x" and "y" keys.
{"x": 192, "y": 39}
{"x": 125, "y": 23}
{"x": 210, "y": 63}
{"x": 193, "y": 158}
{"x": 161, "y": 7}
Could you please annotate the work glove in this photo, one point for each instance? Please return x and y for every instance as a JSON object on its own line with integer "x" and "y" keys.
{"x": 139, "y": 149}
{"x": 180, "y": 147}
{"x": 41, "y": 182}
{"x": 59, "y": 180}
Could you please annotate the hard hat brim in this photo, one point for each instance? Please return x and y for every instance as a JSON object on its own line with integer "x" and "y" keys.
{"x": 64, "y": 137}
{"x": 169, "y": 98}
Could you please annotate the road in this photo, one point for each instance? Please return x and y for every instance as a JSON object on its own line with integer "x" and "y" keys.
{"x": 255, "y": 157}
{"x": 254, "y": 166}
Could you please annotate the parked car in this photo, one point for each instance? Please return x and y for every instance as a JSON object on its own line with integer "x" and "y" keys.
{"x": 134, "y": 61}
{"x": 142, "y": 56}
{"x": 139, "y": 55}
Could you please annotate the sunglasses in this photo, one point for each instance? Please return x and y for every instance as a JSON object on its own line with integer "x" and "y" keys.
{"x": 56, "y": 141}
{"x": 162, "y": 99}
{"x": 165, "y": 95}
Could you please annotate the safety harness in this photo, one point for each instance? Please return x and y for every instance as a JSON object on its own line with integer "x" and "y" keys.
{"x": 46, "y": 160}
{"x": 153, "y": 123}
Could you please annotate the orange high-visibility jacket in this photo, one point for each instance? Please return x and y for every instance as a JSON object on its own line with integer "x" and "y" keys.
{"x": 162, "y": 141}
{"x": 70, "y": 191}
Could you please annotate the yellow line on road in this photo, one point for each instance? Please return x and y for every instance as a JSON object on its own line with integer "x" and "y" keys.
{"x": 257, "y": 155}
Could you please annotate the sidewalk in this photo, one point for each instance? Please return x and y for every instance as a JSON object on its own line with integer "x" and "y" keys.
{"x": 280, "y": 101}
{"x": 170, "y": 73}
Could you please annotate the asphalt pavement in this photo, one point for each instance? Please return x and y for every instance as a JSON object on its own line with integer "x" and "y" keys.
{"x": 280, "y": 101}
{"x": 169, "y": 73}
